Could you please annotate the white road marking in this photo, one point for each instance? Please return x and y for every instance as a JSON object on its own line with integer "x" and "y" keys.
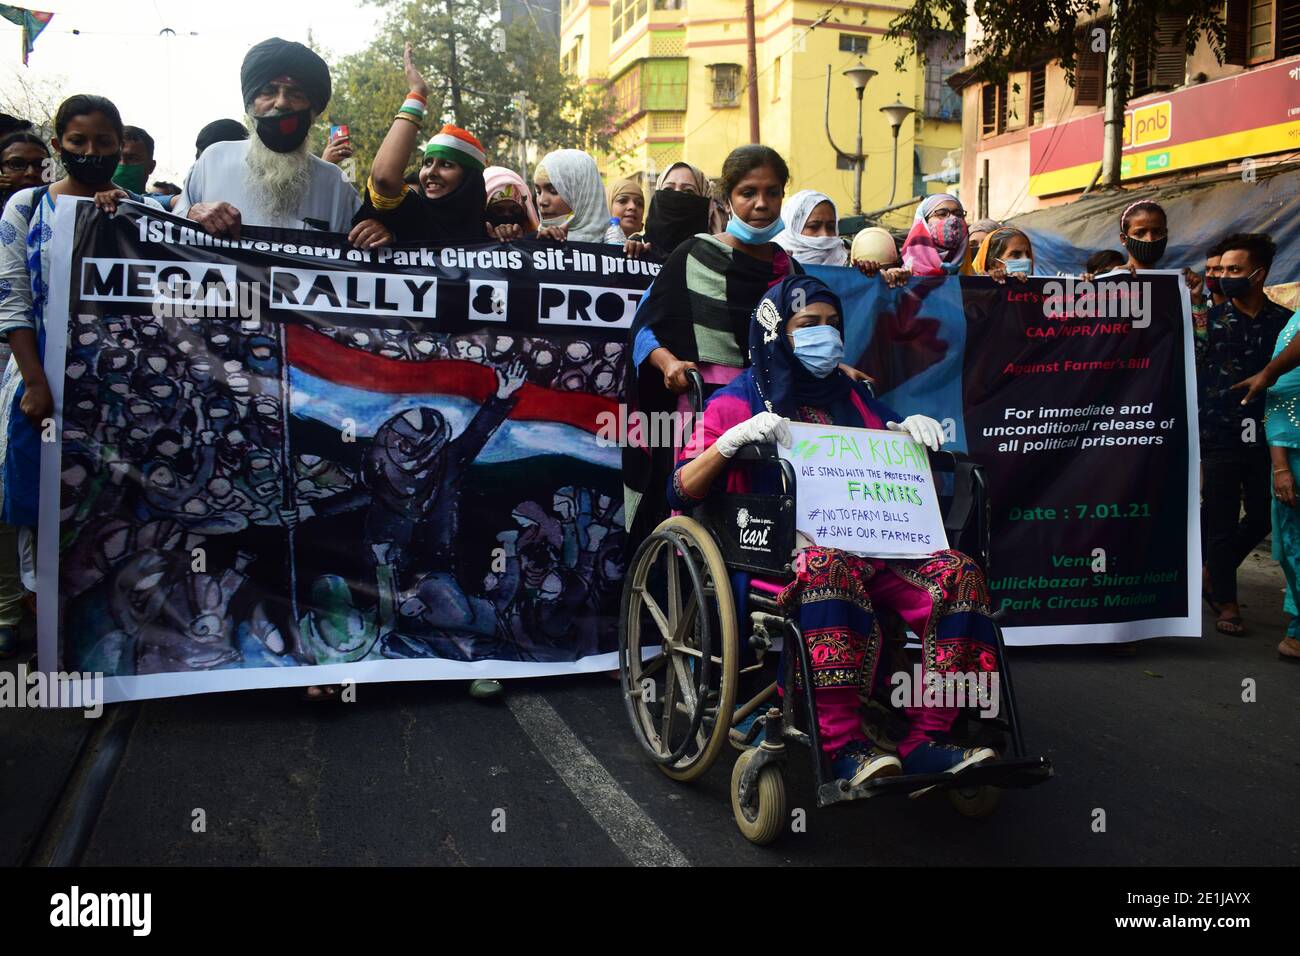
{"x": 622, "y": 819}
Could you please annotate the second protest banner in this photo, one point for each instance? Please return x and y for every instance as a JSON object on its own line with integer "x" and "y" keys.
{"x": 1078, "y": 398}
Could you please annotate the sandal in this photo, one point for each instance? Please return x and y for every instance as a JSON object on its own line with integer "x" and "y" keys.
{"x": 1230, "y": 625}
{"x": 1289, "y": 650}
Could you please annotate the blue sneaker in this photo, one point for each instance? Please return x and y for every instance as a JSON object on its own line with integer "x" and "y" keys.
{"x": 8, "y": 641}
{"x": 860, "y": 761}
{"x": 932, "y": 757}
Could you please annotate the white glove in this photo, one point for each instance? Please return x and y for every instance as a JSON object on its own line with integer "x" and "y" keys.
{"x": 922, "y": 429}
{"x": 763, "y": 427}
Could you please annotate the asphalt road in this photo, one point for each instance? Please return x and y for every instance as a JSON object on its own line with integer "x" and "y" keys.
{"x": 1186, "y": 772}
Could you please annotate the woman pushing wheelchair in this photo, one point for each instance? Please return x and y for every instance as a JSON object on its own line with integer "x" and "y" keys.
{"x": 795, "y": 348}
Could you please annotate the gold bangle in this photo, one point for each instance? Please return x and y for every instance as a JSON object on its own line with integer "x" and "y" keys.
{"x": 409, "y": 118}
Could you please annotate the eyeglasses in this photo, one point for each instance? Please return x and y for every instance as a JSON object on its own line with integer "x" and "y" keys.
{"x": 945, "y": 213}
{"x": 22, "y": 165}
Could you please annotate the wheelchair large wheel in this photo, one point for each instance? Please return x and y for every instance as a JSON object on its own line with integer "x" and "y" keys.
{"x": 761, "y": 819}
{"x": 677, "y": 596}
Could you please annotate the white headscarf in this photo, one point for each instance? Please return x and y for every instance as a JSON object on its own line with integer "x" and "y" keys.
{"x": 817, "y": 250}
{"x": 575, "y": 177}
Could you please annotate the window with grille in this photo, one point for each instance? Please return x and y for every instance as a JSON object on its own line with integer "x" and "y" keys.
{"x": 1166, "y": 65}
{"x": 1089, "y": 71}
{"x": 1262, "y": 30}
{"x": 853, "y": 43}
{"x": 670, "y": 4}
{"x": 1288, "y": 28}
{"x": 726, "y": 84}
{"x": 1037, "y": 96}
{"x": 988, "y": 109}
{"x": 943, "y": 57}
{"x": 623, "y": 14}
{"x": 627, "y": 93}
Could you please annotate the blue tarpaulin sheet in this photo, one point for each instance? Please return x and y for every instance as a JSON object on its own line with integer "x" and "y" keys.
{"x": 1200, "y": 213}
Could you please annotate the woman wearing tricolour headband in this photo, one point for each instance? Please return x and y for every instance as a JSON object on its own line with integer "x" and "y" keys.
{"x": 449, "y": 202}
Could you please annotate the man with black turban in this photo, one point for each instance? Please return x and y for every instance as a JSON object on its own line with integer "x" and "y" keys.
{"x": 270, "y": 179}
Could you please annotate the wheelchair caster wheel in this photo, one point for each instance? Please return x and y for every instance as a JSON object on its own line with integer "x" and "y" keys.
{"x": 975, "y": 802}
{"x": 762, "y": 818}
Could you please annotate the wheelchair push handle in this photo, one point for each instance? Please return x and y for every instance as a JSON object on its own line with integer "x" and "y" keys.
{"x": 695, "y": 389}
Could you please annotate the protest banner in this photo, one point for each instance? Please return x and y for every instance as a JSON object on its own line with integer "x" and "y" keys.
{"x": 283, "y": 461}
{"x": 1079, "y": 400}
{"x": 864, "y": 490}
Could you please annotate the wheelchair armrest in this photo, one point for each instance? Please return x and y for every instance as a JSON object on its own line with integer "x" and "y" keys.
{"x": 765, "y": 453}
{"x": 757, "y": 451}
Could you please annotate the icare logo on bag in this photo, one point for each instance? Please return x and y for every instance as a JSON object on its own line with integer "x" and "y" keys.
{"x": 754, "y": 531}
{"x": 587, "y": 306}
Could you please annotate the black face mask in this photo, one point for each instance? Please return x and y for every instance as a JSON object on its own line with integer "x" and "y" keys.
{"x": 90, "y": 170}
{"x": 1147, "y": 253}
{"x": 508, "y": 220}
{"x": 284, "y": 132}
{"x": 674, "y": 217}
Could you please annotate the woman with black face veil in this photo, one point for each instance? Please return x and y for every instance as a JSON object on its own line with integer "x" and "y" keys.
{"x": 679, "y": 209}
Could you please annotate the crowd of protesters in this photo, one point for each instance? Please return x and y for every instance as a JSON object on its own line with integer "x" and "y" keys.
{"x": 733, "y": 250}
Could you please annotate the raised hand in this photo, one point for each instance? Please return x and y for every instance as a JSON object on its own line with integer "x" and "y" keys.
{"x": 512, "y": 378}
{"x": 414, "y": 78}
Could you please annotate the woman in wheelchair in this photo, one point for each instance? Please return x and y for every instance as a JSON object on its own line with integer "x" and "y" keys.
{"x": 795, "y": 346}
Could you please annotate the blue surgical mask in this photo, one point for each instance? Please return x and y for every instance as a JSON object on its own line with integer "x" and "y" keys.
{"x": 1013, "y": 266}
{"x": 819, "y": 348}
{"x": 751, "y": 236}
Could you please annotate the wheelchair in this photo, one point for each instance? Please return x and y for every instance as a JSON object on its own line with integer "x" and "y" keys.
{"x": 678, "y": 595}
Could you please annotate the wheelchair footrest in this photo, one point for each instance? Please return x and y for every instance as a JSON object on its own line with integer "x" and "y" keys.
{"x": 1017, "y": 773}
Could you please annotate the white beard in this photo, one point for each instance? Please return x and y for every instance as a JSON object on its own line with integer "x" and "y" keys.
{"x": 279, "y": 179}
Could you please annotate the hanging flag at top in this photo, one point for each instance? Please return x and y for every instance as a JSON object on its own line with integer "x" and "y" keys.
{"x": 32, "y": 22}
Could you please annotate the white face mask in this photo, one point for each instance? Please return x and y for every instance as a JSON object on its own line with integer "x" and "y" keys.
{"x": 557, "y": 221}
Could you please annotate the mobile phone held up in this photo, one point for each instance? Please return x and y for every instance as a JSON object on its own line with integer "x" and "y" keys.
{"x": 338, "y": 133}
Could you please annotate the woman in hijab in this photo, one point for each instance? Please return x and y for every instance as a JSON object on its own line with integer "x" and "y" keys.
{"x": 448, "y": 206}
{"x": 811, "y": 232}
{"x": 980, "y": 229}
{"x": 571, "y": 199}
{"x": 510, "y": 210}
{"x": 680, "y": 208}
{"x": 937, "y": 243}
{"x": 1005, "y": 251}
{"x": 795, "y": 345}
{"x": 627, "y": 205}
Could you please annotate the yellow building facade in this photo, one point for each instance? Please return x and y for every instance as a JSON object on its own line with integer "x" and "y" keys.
{"x": 677, "y": 70}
